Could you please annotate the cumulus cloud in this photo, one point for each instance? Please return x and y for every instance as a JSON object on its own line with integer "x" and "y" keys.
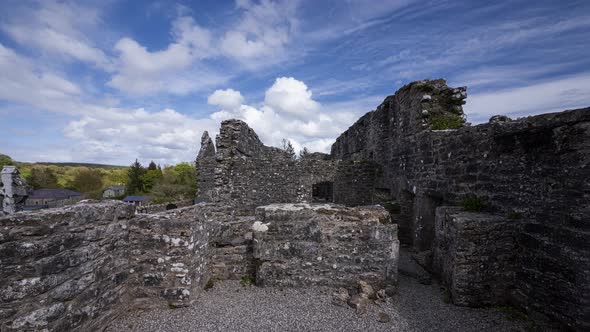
{"x": 261, "y": 35}
{"x": 291, "y": 96}
{"x": 23, "y": 81}
{"x": 172, "y": 70}
{"x": 116, "y": 134}
{"x": 289, "y": 111}
{"x": 59, "y": 28}
{"x": 228, "y": 99}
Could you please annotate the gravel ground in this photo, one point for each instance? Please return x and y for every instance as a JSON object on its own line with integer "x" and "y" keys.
{"x": 228, "y": 306}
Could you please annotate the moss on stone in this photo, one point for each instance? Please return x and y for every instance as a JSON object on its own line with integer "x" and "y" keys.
{"x": 247, "y": 280}
{"x": 472, "y": 203}
{"x": 446, "y": 121}
{"x": 513, "y": 215}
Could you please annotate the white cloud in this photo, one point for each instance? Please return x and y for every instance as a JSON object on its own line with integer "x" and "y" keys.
{"x": 23, "y": 81}
{"x": 558, "y": 95}
{"x": 288, "y": 95}
{"x": 261, "y": 35}
{"x": 172, "y": 70}
{"x": 290, "y": 112}
{"x": 228, "y": 99}
{"x": 58, "y": 28}
{"x": 120, "y": 135}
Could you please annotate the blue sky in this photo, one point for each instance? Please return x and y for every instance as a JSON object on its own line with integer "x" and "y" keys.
{"x": 111, "y": 81}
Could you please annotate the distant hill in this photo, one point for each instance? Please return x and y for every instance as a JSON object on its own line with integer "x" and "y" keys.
{"x": 89, "y": 165}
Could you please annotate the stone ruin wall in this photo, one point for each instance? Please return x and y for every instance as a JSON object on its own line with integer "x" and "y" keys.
{"x": 327, "y": 245}
{"x": 535, "y": 169}
{"x": 242, "y": 172}
{"x": 63, "y": 268}
{"x": 80, "y": 267}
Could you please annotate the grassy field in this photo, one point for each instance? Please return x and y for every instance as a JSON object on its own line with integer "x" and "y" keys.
{"x": 65, "y": 172}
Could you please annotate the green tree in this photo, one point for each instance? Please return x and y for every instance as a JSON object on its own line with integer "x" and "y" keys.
{"x": 303, "y": 153}
{"x": 42, "y": 178}
{"x": 177, "y": 183}
{"x": 87, "y": 180}
{"x": 5, "y": 160}
{"x": 152, "y": 166}
{"x": 287, "y": 147}
{"x": 134, "y": 178}
{"x": 150, "y": 178}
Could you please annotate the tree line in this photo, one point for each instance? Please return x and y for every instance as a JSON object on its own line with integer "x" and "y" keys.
{"x": 170, "y": 183}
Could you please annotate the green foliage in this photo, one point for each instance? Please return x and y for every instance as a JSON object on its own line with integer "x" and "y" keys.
{"x": 287, "y": 147}
{"x": 446, "y": 121}
{"x": 247, "y": 280}
{"x": 176, "y": 183}
{"x": 150, "y": 178}
{"x": 303, "y": 153}
{"x": 5, "y": 160}
{"x": 513, "y": 215}
{"x": 87, "y": 180}
{"x": 135, "y": 183}
{"x": 513, "y": 314}
{"x": 447, "y": 296}
{"x": 472, "y": 203}
{"x": 210, "y": 283}
{"x": 152, "y": 166}
{"x": 42, "y": 178}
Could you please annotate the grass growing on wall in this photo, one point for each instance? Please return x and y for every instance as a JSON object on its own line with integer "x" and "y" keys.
{"x": 446, "y": 121}
{"x": 472, "y": 203}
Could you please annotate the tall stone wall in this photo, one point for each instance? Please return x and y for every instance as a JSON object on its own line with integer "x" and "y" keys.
{"x": 535, "y": 168}
{"x": 63, "y": 269}
{"x": 244, "y": 173}
{"x": 354, "y": 182}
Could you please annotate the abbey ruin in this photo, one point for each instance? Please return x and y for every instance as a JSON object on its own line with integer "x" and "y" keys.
{"x": 497, "y": 212}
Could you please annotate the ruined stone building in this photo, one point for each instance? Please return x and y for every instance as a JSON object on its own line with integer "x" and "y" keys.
{"x": 497, "y": 212}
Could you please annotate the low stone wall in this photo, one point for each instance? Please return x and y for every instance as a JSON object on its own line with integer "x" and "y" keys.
{"x": 324, "y": 244}
{"x": 474, "y": 255}
{"x": 63, "y": 269}
{"x": 168, "y": 257}
{"x": 231, "y": 247}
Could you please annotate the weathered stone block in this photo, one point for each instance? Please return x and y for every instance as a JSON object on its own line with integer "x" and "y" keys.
{"x": 474, "y": 254}
{"x": 323, "y": 244}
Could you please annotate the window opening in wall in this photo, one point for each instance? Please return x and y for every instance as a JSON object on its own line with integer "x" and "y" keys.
{"x": 323, "y": 192}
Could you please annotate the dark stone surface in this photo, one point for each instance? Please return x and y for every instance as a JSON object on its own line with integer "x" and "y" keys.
{"x": 475, "y": 255}
{"x": 535, "y": 169}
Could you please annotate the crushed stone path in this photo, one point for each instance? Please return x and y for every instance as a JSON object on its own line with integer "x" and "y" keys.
{"x": 228, "y": 306}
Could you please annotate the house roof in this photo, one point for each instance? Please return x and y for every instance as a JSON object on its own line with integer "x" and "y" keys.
{"x": 54, "y": 193}
{"x": 115, "y": 188}
{"x": 135, "y": 198}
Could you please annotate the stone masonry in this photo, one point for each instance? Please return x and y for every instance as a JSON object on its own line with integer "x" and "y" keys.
{"x": 244, "y": 173}
{"x": 535, "y": 169}
{"x": 526, "y": 242}
{"x": 475, "y": 255}
{"x": 323, "y": 244}
{"x": 63, "y": 269}
{"x": 79, "y": 267}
